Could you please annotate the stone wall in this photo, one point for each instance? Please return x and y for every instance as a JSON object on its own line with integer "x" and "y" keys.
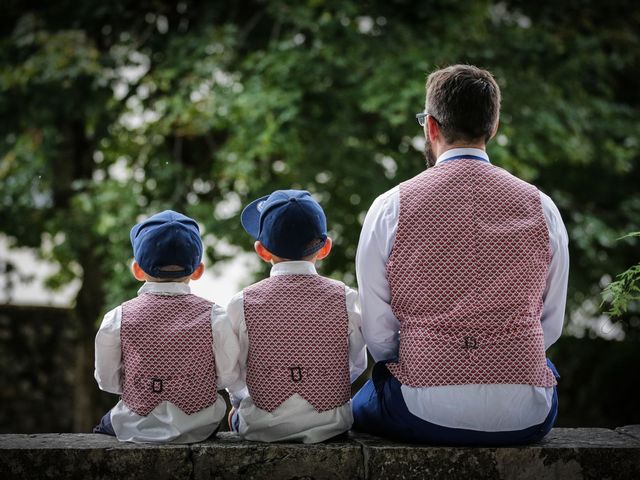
{"x": 37, "y": 346}
{"x": 565, "y": 454}
{"x": 37, "y": 372}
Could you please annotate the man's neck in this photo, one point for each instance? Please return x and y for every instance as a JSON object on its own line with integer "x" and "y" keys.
{"x": 440, "y": 149}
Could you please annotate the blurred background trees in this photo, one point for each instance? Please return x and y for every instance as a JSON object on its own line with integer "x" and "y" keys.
{"x": 114, "y": 110}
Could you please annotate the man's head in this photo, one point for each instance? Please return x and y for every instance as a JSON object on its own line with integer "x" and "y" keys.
{"x": 463, "y": 103}
{"x": 287, "y": 225}
{"x": 167, "y": 247}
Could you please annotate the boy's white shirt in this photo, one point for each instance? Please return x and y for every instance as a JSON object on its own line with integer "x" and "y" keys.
{"x": 166, "y": 422}
{"x": 295, "y": 419}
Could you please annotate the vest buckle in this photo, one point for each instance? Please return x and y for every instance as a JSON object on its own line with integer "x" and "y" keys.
{"x": 156, "y": 385}
{"x": 470, "y": 343}
{"x": 296, "y": 374}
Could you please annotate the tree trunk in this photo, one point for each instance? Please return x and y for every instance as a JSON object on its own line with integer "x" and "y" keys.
{"x": 75, "y": 162}
{"x": 89, "y": 303}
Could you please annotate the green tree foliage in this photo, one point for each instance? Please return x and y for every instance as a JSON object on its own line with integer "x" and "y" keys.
{"x": 114, "y": 110}
{"x": 625, "y": 291}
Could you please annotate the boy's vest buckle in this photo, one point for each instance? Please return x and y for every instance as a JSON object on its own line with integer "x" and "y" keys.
{"x": 296, "y": 374}
{"x": 156, "y": 385}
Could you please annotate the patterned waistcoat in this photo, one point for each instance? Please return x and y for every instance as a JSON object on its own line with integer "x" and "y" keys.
{"x": 298, "y": 341}
{"x": 467, "y": 274}
{"x": 167, "y": 353}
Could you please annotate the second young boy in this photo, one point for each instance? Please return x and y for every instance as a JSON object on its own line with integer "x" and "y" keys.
{"x": 299, "y": 333}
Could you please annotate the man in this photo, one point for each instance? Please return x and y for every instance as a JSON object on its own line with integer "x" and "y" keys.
{"x": 462, "y": 272}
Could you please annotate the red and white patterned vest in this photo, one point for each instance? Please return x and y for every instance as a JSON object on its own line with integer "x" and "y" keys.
{"x": 167, "y": 353}
{"x": 467, "y": 274}
{"x": 298, "y": 341}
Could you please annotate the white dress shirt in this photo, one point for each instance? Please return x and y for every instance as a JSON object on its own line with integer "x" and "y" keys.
{"x": 166, "y": 422}
{"x": 295, "y": 419}
{"x": 486, "y": 408}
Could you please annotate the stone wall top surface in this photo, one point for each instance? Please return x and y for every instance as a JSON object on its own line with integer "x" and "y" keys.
{"x": 566, "y": 453}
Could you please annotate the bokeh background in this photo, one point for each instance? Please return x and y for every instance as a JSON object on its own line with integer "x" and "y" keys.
{"x": 111, "y": 111}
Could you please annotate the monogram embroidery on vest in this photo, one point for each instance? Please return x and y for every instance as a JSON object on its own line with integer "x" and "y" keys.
{"x": 467, "y": 273}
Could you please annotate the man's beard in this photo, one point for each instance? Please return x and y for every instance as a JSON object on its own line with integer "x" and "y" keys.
{"x": 429, "y": 156}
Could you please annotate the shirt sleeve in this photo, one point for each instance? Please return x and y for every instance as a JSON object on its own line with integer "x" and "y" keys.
{"x": 108, "y": 359}
{"x": 555, "y": 293}
{"x": 235, "y": 312}
{"x": 225, "y": 349}
{"x": 379, "y": 325}
{"x": 357, "y": 347}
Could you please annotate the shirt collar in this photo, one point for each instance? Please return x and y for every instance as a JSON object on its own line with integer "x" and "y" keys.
{"x": 165, "y": 288}
{"x": 454, "y": 152}
{"x": 294, "y": 267}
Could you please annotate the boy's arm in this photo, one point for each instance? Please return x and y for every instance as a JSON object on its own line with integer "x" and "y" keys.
{"x": 379, "y": 325}
{"x": 225, "y": 348}
{"x": 235, "y": 312}
{"x": 108, "y": 360}
{"x": 357, "y": 347}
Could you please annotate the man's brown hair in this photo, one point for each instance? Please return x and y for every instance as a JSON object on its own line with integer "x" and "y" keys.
{"x": 465, "y": 101}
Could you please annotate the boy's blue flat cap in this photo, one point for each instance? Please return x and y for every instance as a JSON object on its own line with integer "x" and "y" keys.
{"x": 167, "y": 238}
{"x": 289, "y": 223}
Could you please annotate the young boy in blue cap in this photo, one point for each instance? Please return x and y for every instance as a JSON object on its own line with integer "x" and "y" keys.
{"x": 299, "y": 333}
{"x": 166, "y": 352}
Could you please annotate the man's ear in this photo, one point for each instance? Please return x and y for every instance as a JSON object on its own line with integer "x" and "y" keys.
{"x": 495, "y": 129}
{"x": 197, "y": 273}
{"x": 137, "y": 272}
{"x": 262, "y": 252}
{"x": 326, "y": 248}
{"x": 432, "y": 129}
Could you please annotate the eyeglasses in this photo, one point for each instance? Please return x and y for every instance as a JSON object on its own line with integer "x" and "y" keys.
{"x": 422, "y": 118}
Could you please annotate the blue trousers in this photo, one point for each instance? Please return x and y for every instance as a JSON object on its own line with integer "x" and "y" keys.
{"x": 234, "y": 424}
{"x": 379, "y": 409}
{"x": 105, "y": 426}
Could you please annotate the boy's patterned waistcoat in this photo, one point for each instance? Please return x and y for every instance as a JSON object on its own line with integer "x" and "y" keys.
{"x": 167, "y": 353}
{"x": 467, "y": 274}
{"x": 298, "y": 341}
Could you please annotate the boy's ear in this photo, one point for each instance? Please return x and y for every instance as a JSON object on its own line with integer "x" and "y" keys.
{"x": 198, "y": 272}
{"x": 262, "y": 252}
{"x": 137, "y": 272}
{"x": 326, "y": 248}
